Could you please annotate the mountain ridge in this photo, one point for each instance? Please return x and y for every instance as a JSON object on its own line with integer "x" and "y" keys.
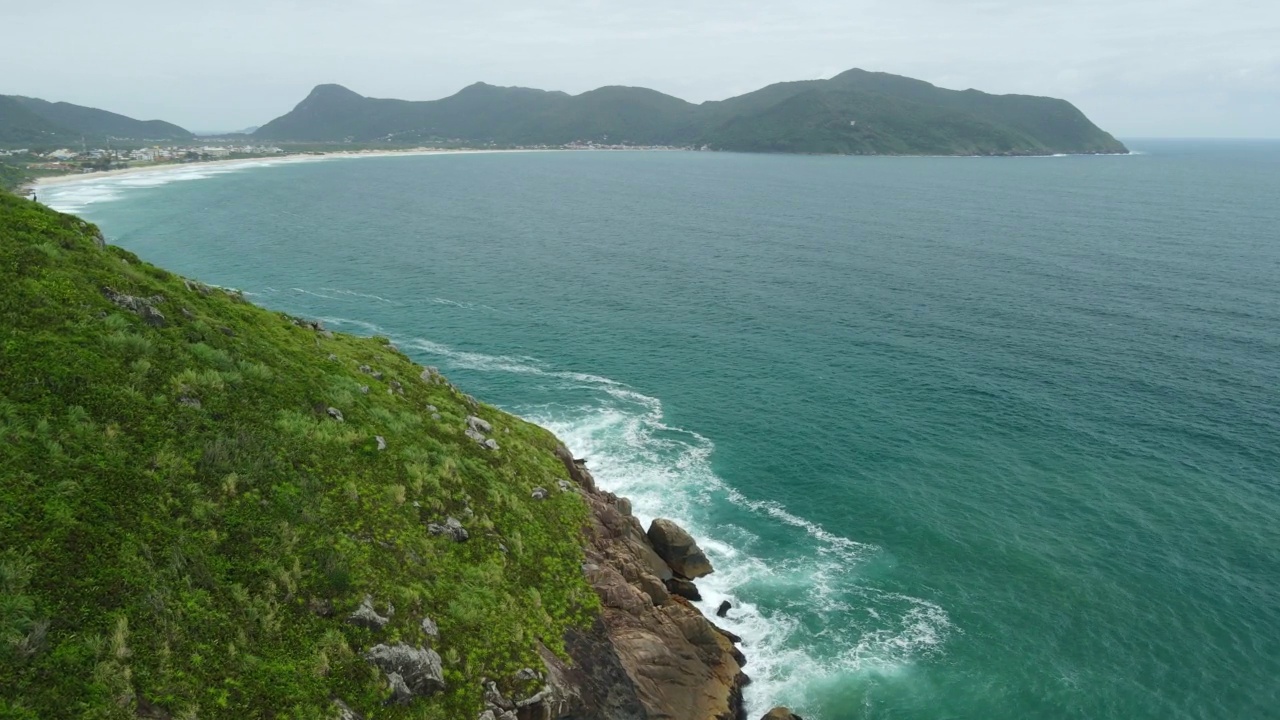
{"x": 854, "y": 112}
{"x": 33, "y": 120}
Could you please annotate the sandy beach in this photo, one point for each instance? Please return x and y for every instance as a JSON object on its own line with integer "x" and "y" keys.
{"x": 54, "y": 180}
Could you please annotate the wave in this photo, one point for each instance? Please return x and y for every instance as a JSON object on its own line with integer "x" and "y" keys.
{"x": 77, "y": 194}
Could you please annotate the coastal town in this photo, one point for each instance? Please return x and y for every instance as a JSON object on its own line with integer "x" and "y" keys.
{"x": 93, "y": 159}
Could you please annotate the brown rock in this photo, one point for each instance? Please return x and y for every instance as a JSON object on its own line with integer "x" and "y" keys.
{"x": 684, "y": 588}
{"x": 781, "y": 713}
{"x": 678, "y": 549}
{"x": 678, "y": 665}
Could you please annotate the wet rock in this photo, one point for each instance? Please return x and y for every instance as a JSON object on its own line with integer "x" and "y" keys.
{"x": 419, "y": 668}
{"x": 539, "y": 494}
{"x": 678, "y": 549}
{"x": 684, "y": 588}
{"x": 725, "y": 607}
{"x": 334, "y": 413}
{"x": 366, "y": 617}
{"x": 781, "y": 713}
{"x": 452, "y": 528}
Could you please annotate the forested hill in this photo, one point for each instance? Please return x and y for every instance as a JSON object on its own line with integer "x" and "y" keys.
{"x": 855, "y": 112}
{"x": 25, "y": 120}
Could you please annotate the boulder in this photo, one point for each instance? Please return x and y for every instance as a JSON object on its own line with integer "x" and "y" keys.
{"x": 684, "y": 588}
{"x": 539, "y": 493}
{"x": 452, "y": 528}
{"x": 419, "y": 668}
{"x": 490, "y": 444}
{"x": 678, "y": 549}
{"x": 382, "y": 443}
{"x": 334, "y": 413}
{"x": 725, "y": 607}
{"x": 479, "y": 424}
{"x": 365, "y": 616}
{"x": 143, "y": 306}
{"x": 781, "y": 713}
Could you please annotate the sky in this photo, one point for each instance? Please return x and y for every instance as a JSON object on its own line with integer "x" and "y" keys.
{"x": 1138, "y": 68}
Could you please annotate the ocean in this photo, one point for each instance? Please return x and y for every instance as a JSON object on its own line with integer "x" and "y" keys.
{"x": 963, "y": 437}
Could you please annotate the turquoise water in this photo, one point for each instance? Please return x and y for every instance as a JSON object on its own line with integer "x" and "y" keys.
{"x": 964, "y": 438}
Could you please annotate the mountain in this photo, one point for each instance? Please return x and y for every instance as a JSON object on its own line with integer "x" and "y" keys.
{"x": 19, "y": 125}
{"x": 208, "y": 508}
{"x": 855, "y": 112}
{"x": 61, "y": 122}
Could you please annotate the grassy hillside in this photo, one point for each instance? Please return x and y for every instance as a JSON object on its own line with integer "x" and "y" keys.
{"x": 195, "y": 493}
{"x": 891, "y": 114}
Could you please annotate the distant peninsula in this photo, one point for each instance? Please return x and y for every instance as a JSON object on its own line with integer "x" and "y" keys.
{"x": 854, "y": 113}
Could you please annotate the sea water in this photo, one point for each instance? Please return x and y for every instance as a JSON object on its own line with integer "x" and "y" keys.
{"x": 963, "y": 437}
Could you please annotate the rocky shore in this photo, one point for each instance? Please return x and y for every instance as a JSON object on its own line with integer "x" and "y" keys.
{"x": 651, "y": 655}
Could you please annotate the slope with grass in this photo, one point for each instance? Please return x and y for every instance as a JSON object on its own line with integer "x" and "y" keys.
{"x": 197, "y": 493}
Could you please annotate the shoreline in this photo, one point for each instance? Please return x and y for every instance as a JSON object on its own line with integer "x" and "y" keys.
{"x": 71, "y": 178}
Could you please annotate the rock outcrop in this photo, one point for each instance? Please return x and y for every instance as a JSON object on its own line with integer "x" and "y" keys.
{"x": 413, "y": 670}
{"x": 652, "y": 655}
{"x": 678, "y": 549}
{"x": 781, "y": 713}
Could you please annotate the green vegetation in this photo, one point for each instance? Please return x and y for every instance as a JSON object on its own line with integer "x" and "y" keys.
{"x": 856, "y": 112}
{"x": 31, "y": 121}
{"x": 11, "y": 176}
{"x": 184, "y": 527}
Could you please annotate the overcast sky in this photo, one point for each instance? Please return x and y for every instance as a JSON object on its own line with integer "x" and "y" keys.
{"x": 1139, "y": 68}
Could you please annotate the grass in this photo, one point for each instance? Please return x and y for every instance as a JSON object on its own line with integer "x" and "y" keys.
{"x": 176, "y": 504}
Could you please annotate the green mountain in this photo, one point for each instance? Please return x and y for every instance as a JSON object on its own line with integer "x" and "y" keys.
{"x": 19, "y": 125}
{"x": 211, "y": 510}
{"x": 856, "y": 112}
{"x": 40, "y": 122}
